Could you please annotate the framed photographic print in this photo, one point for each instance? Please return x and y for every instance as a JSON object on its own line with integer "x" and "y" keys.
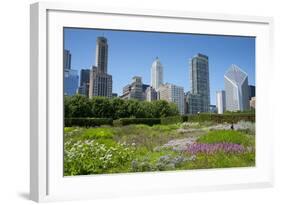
{"x": 128, "y": 102}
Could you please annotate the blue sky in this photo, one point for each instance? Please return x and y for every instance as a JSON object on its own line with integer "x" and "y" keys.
{"x": 132, "y": 53}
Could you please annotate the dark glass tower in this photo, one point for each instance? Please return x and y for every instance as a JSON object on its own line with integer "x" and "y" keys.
{"x": 200, "y": 86}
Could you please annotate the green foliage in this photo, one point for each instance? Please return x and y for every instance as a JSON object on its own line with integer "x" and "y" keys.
{"x": 141, "y": 147}
{"x": 101, "y": 107}
{"x": 226, "y": 117}
{"x": 77, "y": 106}
{"x": 227, "y": 136}
{"x": 221, "y": 160}
{"x": 129, "y": 121}
{"x": 171, "y": 120}
{"x": 87, "y": 122}
{"x": 96, "y": 157}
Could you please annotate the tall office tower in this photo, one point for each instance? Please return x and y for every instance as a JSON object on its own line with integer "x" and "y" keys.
{"x": 134, "y": 90}
{"x": 150, "y": 94}
{"x": 100, "y": 81}
{"x": 70, "y": 82}
{"x": 66, "y": 60}
{"x": 101, "y": 54}
{"x": 174, "y": 94}
{"x": 156, "y": 74}
{"x": 220, "y": 101}
{"x": 199, "y": 96}
{"x": 236, "y": 89}
{"x": 84, "y": 82}
{"x": 195, "y": 103}
{"x": 252, "y": 91}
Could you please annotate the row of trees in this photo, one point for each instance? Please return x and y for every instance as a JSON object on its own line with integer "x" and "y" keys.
{"x": 101, "y": 107}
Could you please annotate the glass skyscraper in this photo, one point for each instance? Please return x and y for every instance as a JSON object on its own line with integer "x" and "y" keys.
{"x": 70, "y": 82}
{"x": 84, "y": 82}
{"x": 199, "y": 97}
{"x": 70, "y": 76}
{"x": 236, "y": 89}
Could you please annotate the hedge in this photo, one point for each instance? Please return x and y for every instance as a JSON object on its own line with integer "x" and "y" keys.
{"x": 87, "y": 122}
{"x": 129, "y": 121}
{"x": 229, "y": 118}
{"x": 171, "y": 120}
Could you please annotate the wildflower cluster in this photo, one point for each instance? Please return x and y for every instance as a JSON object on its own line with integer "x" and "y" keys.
{"x": 230, "y": 148}
{"x": 95, "y": 156}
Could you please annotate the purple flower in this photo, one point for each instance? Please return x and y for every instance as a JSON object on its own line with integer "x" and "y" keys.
{"x": 213, "y": 148}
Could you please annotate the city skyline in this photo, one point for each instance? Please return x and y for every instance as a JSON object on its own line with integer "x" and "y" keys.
{"x": 127, "y": 56}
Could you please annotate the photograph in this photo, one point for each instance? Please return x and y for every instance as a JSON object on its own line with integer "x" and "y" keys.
{"x": 148, "y": 101}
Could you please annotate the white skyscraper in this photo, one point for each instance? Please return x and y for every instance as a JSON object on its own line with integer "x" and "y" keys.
{"x": 156, "y": 74}
{"x": 174, "y": 94}
{"x": 236, "y": 89}
{"x": 221, "y": 101}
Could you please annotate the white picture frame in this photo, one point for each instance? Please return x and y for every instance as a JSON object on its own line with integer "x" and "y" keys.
{"x": 46, "y": 99}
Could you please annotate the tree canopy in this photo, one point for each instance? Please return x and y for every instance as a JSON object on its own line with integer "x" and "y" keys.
{"x": 102, "y": 107}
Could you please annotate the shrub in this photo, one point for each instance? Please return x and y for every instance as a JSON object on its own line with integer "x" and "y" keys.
{"x": 171, "y": 120}
{"x": 129, "y": 121}
{"x": 87, "y": 122}
{"x": 227, "y": 117}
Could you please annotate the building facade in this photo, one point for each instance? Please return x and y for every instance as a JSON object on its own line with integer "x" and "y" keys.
{"x": 100, "y": 81}
{"x": 195, "y": 103}
{"x": 150, "y": 94}
{"x": 253, "y": 103}
{"x": 174, "y": 94}
{"x": 66, "y": 60}
{"x": 84, "y": 82}
{"x": 70, "y": 82}
{"x": 101, "y": 54}
{"x": 199, "y": 96}
{"x": 221, "y": 103}
{"x": 252, "y": 91}
{"x": 156, "y": 74}
{"x": 236, "y": 89}
{"x": 134, "y": 90}
{"x": 70, "y": 77}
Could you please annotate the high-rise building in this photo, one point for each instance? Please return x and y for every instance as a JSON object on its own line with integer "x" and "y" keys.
{"x": 101, "y": 54}
{"x": 150, "y": 94}
{"x": 174, "y": 94}
{"x": 100, "y": 81}
{"x": 71, "y": 77}
{"x": 236, "y": 89}
{"x": 70, "y": 82}
{"x": 84, "y": 82}
{"x": 134, "y": 90}
{"x": 195, "y": 103}
{"x": 156, "y": 74}
{"x": 66, "y": 60}
{"x": 221, "y": 104}
{"x": 252, "y": 91}
{"x": 199, "y": 97}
